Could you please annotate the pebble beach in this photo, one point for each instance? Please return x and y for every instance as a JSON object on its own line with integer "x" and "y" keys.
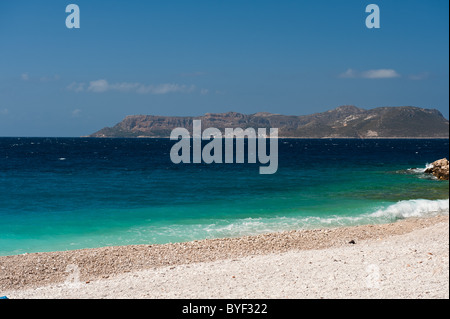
{"x": 405, "y": 259}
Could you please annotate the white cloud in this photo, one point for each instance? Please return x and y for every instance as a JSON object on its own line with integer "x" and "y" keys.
{"x": 101, "y": 86}
{"x": 98, "y": 86}
{"x": 165, "y": 89}
{"x": 4, "y": 111}
{"x": 370, "y": 74}
{"x": 46, "y": 78}
{"x": 76, "y": 87}
{"x": 76, "y": 113}
{"x": 124, "y": 87}
{"x": 350, "y": 73}
{"x": 380, "y": 74}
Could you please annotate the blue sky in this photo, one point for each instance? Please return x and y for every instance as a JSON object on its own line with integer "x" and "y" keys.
{"x": 193, "y": 57}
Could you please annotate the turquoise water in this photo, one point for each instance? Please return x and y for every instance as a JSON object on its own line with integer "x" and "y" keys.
{"x": 73, "y": 193}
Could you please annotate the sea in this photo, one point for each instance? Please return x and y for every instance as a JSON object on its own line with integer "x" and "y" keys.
{"x": 59, "y": 194}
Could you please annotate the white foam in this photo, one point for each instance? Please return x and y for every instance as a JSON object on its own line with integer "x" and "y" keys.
{"x": 399, "y": 210}
{"x": 420, "y": 170}
{"x": 260, "y": 225}
{"x": 414, "y": 208}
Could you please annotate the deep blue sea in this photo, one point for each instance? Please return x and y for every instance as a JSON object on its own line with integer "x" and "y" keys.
{"x": 72, "y": 193}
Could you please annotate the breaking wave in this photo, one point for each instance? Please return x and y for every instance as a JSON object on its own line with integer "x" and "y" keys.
{"x": 414, "y": 208}
{"x": 253, "y": 226}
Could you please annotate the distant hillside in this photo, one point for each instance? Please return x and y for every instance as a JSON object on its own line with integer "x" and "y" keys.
{"x": 342, "y": 122}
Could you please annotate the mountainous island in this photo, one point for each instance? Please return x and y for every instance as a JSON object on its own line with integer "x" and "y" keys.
{"x": 343, "y": 122}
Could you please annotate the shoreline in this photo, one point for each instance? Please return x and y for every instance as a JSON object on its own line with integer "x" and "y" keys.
{"x": 31, "y": 271}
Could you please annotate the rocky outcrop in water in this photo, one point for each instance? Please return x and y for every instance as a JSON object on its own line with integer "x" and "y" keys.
{"x": 439, "y": 169}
